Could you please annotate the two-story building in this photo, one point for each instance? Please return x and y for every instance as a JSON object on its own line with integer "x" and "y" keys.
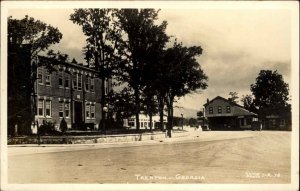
{"x": 223, "y": 114}
{"x": 47, "y": 89}
{"x": 72, "y": 91}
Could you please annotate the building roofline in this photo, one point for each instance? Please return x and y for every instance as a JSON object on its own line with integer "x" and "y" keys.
{"x": 68, "y": 63}
{"x": 230, "y": 102}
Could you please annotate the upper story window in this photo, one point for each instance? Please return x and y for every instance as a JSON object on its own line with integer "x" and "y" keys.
{"x": 40, "y": 75}
{"x": 87, "y": 83}
{"x": 219, "y": 109}
{"x": 92, "y": 85}
{"x": 211, "y": 110}
{"x": 67, "y": 80}
{"x": 79, "y": 82}
{"x": 48, "y": 78}
{"x": 75, "y": 81}
{"x": 60, "y": 78}
{"x": 228, "y": 109}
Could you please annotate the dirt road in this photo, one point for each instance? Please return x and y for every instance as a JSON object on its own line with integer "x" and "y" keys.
{"x": 233, "y": 157}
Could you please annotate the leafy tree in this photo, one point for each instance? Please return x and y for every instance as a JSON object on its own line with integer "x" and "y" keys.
{"x": 102, "y": 40}
{"x": 248, "y": 103}
{"x": 199, "y": 114}
{"x": 122, "y": 103}
{"x": 271, "y": 95}
{"x": 142, "y": 39}
{"x": 270, "y": 89}
{"x": 149, "y": 102}
{"x": 233, "y": 97}
{"x": 193, "y": 122}
{"x": 181, "y": 75}
{"x": 26, "y": 38}
{"x": 34, "y": 32}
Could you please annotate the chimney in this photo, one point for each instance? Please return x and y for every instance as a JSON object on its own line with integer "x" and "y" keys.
{"x": 207, "y": 101}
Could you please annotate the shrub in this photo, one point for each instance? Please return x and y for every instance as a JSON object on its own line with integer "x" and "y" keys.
{"x": 48, "y": 128}
{"x": 63, "y": 125}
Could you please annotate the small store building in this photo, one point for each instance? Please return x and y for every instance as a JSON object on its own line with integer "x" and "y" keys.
{"x": 145, "y": 122}
{"x": 223, "y": 114}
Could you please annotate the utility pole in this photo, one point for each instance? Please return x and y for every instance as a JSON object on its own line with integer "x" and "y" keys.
{"x": 182, "y": 121}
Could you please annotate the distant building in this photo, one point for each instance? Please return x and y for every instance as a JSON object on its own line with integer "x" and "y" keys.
{"x": 223, "y": 114}
{"x": 144, "y": 122}
{"x": 276, "y": 118}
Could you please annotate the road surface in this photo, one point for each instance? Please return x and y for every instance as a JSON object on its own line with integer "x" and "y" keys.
{"x": 209, "y": 157}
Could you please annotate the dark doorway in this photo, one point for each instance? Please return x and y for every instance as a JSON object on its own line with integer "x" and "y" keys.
{"x": 222, "y": 123}
{"x": 78, "y": 113}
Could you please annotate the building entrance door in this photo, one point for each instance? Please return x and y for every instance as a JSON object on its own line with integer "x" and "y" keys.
{"x": 78, "y": 112}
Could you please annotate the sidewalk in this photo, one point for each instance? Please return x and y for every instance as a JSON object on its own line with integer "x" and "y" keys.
{"x": 194, "y": 136}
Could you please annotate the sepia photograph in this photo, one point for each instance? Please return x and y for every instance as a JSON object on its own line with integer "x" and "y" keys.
{"x": 149, "y": 95}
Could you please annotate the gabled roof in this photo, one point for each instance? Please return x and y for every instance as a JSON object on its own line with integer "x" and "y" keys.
{"x": 245, "y": 111}
{"x": 226, "y": 100}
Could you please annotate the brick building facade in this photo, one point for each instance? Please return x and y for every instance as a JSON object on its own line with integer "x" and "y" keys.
{"x": 73, "y": 92}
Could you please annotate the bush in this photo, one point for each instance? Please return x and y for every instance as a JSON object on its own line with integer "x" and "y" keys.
{"x": 48, "y": 128}
{"x": 63, "y": 125}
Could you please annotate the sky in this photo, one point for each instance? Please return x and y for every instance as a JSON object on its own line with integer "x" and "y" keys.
{"x": 237, "y": 44}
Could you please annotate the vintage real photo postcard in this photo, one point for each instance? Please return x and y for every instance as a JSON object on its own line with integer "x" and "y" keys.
{"x": 149, "y": 95}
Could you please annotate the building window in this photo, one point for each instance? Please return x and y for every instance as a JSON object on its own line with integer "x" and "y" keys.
{"x": 40, "y": 75}
{"x": 248, "y": 121}
{"x": 61, "y": 109}
{"x": 87, "y": 84}
{"x": 60, "y": 78}
{"x": 228, "y": 109}
{"x": 75, "y": 81}
{"x": 67, "y": 80}
{"x": 282, "y": 122}
{"x": 272, "y": 122}
{"x": 67, "y": 110}
{"x": 48, "y": 78}
{"x": 219, "y": 109}
{"x": 92, "y": 111}
{"x": 48, "y": 108}
{"x": 79, "y": 82}
{"x": 87, "y": 110}
{"x": 41, "y": 107}
{"x": 211, "y": 110}
{"x": 92, "y": 84}
{"x": 243, "y": 122}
